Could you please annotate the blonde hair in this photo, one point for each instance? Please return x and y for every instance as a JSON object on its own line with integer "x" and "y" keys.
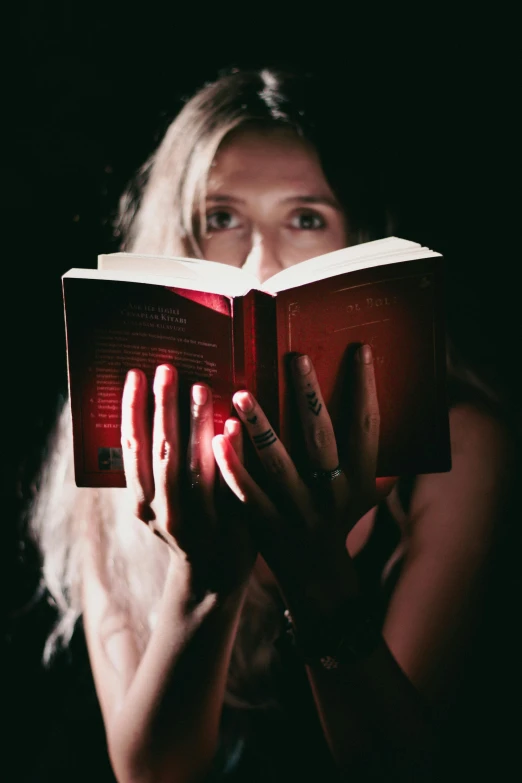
{"x": 160, "y": 213}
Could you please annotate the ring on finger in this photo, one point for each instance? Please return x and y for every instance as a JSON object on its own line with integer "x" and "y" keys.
{"x": 326, "y": 475}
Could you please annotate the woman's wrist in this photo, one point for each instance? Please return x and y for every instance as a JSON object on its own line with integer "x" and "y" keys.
{"x": 194, "y": 597}
{"x": 334, "y": 631}
{"x": 321, "y": 595}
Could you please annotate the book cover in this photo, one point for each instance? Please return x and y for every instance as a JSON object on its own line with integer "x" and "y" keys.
{"x": 113, "y": 326}
{"x": 234, "y": 342}
{"x": 398, "y": 310}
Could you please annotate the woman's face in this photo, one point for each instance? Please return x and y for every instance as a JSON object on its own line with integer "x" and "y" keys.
{"x": 269, "y": 205}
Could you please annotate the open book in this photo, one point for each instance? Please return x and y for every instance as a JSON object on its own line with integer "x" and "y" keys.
{"x": 216, "y": 323}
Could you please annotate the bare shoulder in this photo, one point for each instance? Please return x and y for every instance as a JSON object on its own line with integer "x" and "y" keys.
{"x": 452, "y": 530}
{"x": 481, "y": 446}
{"x": 471, "y": 496}
{"x": 473, "y": 428}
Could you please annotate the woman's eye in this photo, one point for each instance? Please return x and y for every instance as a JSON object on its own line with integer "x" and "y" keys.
{"x": 308, "y": 221}
{"x": 221, "y": 220}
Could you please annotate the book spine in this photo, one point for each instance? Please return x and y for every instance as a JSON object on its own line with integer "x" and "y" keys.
{"x": 240, "y": 315}
{"x": 264, "y": 354}
{"x": 255, "y": 350}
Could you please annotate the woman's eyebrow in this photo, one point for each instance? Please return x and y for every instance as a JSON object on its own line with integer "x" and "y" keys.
{"x": 328, "y": 201}
{"x": 222, "y": 197}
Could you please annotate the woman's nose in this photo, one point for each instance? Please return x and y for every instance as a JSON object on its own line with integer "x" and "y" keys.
{"x": 263, "y": 259}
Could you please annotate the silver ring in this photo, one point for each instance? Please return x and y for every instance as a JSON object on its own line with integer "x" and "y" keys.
{"x": 195, "y": 481}
{"x": 195, "y": 475}
{"x": 327, "y": 475}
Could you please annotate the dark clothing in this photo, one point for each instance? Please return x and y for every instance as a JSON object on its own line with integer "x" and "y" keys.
{"x": 474, "y": 723}
{"x": 287, "y": 743}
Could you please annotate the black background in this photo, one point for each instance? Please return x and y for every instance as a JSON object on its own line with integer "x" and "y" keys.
{"x": 88, "y": 89}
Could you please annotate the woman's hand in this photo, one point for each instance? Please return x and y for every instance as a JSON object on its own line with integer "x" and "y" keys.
{"x": 179, "y": 501}
{"x": 303, "y": 521}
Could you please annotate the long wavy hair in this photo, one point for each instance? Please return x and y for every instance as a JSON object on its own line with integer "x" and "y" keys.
{"x": 161, "y": 213}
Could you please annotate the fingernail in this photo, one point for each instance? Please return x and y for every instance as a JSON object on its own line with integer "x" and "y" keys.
{"x": 219, "y": 445}
{"x": 232, "y": 427}
{"x": 199, "y": 394}
{"x": 164, "y": 373}
{"x": 162, "y": 377}
{"x": 364, "y": 354}
{"x": 133, "y": 379}
{"x": 303, "y": 365}
{"x": 244, "y": 401}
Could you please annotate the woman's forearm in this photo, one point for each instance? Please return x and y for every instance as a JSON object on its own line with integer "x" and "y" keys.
{"x": 166, "y": 726}
{"x": 373, "y": 717}
{"x": 374, "y": 720}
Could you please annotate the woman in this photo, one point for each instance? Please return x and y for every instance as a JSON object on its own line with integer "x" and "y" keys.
{"x": 383, "y": 582}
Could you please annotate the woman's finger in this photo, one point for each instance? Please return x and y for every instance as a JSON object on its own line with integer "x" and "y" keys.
{"x": 385, "y": 485}
{"x": 135, "y": 443}
{"x": 318, "y": 433}
{"x": 201, "y": 464}
{"x": 234, "y": 433}
{"x": 165, "y": 445}
{"x": 263, "y": 514}
{"x": 317, "y": 426}
{"x": 365, "y": 426}
{"x": 273, "y": 455}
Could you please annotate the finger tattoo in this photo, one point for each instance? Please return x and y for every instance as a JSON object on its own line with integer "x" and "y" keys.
{"x": 253, "y": 420}
{"x": 313, "y": 403}
{"x": 264, "y": 440}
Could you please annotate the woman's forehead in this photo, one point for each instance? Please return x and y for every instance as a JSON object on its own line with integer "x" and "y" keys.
{"x": 267, "y": 158}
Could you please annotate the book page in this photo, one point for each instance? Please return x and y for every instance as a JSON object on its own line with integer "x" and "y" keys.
{"x": 364, "y": 256}
{"x": 223, "y": 286}
{"x": 213, "y": 276}
{"x": 221, "y": 278}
